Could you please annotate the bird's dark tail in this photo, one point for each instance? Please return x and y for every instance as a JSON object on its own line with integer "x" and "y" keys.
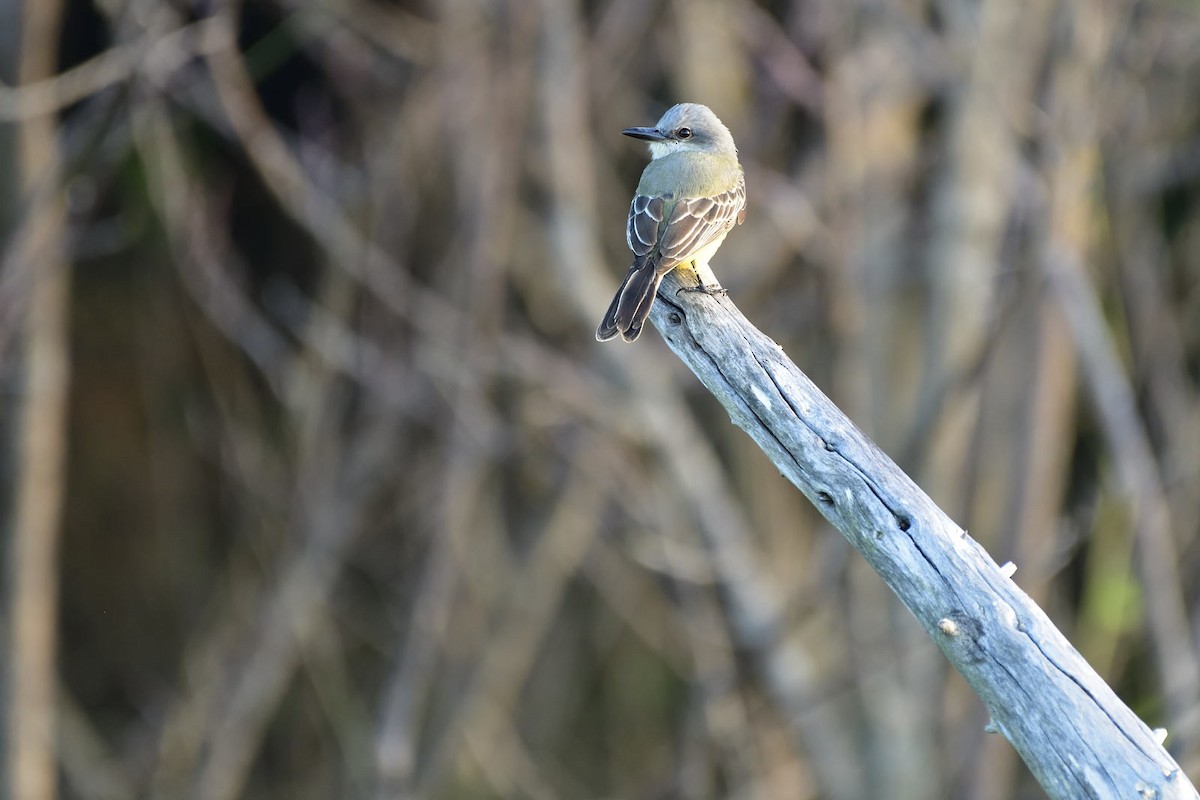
{"x": 631, "y": 305}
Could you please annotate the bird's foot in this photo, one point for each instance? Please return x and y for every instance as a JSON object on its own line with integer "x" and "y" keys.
{"x": 712, "y": 291}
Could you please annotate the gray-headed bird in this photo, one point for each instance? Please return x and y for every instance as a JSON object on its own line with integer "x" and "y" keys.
{"x": 691, "y": 194}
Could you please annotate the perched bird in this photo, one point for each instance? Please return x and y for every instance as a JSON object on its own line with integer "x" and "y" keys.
{"x": 691, "y": 194}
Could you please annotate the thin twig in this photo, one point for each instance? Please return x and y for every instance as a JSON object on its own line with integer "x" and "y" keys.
{"x": 156, "y": 56}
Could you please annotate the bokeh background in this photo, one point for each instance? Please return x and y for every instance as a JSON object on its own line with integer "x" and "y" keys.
{"x": 315, "y": 483}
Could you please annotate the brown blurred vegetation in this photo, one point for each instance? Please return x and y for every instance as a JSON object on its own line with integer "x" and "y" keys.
{"x": 343, "y": 499}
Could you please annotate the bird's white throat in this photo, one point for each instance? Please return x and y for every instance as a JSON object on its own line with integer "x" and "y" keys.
{"x": 660, "y": 149}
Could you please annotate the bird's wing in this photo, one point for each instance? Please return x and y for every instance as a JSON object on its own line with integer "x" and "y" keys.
{"x": 679, "y": 228}
{"x": 642, "y": 227}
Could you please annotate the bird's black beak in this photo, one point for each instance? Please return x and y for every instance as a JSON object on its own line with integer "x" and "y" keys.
{"x": 649, "y": 134}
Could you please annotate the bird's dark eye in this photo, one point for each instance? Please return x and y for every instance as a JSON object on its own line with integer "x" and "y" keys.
{"x": 684, "y": 133}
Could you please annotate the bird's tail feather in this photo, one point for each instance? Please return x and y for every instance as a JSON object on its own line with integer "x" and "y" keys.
{"x": 631, "y": 306}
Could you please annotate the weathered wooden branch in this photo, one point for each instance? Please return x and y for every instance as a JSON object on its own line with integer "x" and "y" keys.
{"x": 1074, "y": 733}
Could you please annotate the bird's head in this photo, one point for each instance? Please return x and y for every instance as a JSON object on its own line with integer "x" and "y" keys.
{"x": 687, "y": 126}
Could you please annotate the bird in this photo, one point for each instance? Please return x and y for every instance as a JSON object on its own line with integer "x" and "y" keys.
{"x": 690, "y": 196}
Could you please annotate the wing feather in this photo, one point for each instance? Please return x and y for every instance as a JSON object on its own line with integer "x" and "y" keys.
{"x": 642, "y": 228}
{"x": 693, "y": 223}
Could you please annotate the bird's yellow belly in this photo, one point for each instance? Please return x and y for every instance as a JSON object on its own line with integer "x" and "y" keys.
{"x": 698, "y": 261}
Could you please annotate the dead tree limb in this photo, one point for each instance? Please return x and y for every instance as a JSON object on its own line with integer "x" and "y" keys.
{"x": 1076, "y": 736}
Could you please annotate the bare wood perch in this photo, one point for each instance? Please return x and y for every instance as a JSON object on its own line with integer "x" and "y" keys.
{"x": 1076, "y": 736}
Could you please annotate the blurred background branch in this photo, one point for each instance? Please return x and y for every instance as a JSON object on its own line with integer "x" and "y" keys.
{"x": 347, "y": 502}
{"x": 41, "y": 436}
